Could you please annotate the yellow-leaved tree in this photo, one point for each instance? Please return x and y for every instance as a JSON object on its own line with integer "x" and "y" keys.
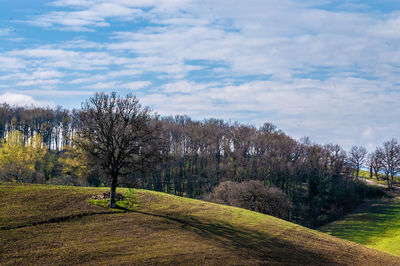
{"x": 19, "y": 160}
{"x": 75, "y": 163}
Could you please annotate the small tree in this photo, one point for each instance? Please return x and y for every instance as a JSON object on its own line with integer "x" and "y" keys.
{"x": 357, "y": 157}
{"x": 117, "y": 133}
{"x": 369, "y": 162}
{"x": 375, "y": 163}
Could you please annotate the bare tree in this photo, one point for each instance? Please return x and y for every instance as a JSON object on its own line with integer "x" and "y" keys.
{"x": 357, "y": 156}
{"x": 374, "y": 163}
{"x": 117, "y": 133}
{"x": 390, "y": 156}
{"x": 369, "y": 162}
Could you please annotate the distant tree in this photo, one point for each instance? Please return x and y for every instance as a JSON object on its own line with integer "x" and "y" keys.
{"x": 336, "y": 159}
{"x": 374, "y": 163}
{"x": 369, "y": 162}
{"x": 51, "y": 166}
{"x": 5, "y": 114}
{"x": 75, "y": 163}
{"x": 357, "y": 156}
{"x": 390, "y": 159}
{"x": 18, "y": 159}
{"x": 117, "y": 133}
{"x": 378, "y": 163}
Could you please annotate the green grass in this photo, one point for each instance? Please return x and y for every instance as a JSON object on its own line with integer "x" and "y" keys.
{"x": 130, "y": 202}
{"x": 382, "y": 180}
{"x": 61, "y": 225}
{"x": 376, "y": 225}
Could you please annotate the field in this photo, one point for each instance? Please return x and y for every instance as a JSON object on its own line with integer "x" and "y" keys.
{"x": 58, "y": 225}
{"x": 376, "y": 225}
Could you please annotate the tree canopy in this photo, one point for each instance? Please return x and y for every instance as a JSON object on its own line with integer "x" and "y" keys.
{"x": 117, "y": 132}
{"x": 20, "y": 159}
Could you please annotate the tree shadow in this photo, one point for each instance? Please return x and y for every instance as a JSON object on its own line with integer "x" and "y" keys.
{"x": 267, "y": 248}
{"x": 56, "y": 220}
{"x": 372, "y": 222}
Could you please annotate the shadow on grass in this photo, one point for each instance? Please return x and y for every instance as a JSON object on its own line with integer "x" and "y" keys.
{"x": 249, "y": 243}
{"x": 56, "y": 220}
{"x": 371, "y": 222}
{"x": 267, "y": 248}
{"x": 119, "y": 208}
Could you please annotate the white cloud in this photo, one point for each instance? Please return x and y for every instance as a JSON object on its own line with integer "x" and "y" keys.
{"x": 4, "y": 31}
{"x": 110, "y": 85}
{"x": 88, "y": 79}
{"x": 332, "y": 75}
{"x": 125, "y": 72}
{"x": 73, "y": 3}
{"x": 39, "y": 78}
{"x": 56, "y": 93}
{"x": 92, "y": 14}
{"x": 8, "y": 62}
{"x": 45, "y": 74}
{"x": 80, "y": 43}
{"x": 265, "y": 37}
{"x": 39, "y": 82}
{"x": 51, "y": 58}
{"x": 39, "y": 74}
{"x": 279, "y": 44}
{"x": 387, "y": 29}
{"x": 339, "y": 111}
{"x": 23, "y": 100}
{"x": 183, "y": 86}
{"x": 135, "y": 85}
{"x": 368, "y": 133}
{"x": 45, "y": 52}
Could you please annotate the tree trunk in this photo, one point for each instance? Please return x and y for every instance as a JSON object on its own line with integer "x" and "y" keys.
{"x": 370, "y": 172}
{"x": 113, "y": 191}
{"x": 391, "y": 181}
{"x": 377, "y": 175}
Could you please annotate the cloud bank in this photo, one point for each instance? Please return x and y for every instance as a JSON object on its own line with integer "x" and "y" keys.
{"x": 317, "y": 68}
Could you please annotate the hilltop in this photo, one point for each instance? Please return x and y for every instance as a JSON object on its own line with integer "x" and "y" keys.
{"x": 58, "y": 225}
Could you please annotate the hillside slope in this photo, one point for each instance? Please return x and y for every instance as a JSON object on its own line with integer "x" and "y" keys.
{"x": 57, "y": 225}
{"x": 375, "y": 224}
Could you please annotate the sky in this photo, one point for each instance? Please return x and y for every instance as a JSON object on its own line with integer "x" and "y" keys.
{"x": 325, "y": 69}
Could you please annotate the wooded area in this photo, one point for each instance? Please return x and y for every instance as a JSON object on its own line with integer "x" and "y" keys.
{"x": 194, "y": 157}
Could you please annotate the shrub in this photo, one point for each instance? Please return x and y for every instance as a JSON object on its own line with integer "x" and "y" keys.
{"x": 252, "y": 195}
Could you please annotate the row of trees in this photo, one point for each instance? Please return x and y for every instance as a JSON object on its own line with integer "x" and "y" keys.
{"x": 385, "y": 160}
{"x": 383, "y": 163}
{"x": 54, "y": 125}
{"x": 112, "y": 140}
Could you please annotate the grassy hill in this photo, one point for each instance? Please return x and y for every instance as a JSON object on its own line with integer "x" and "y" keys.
{"x": 57, "y": 225}
{"x": 376, "y": 225}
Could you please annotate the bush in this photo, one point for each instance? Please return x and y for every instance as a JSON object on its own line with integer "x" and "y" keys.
{"x": 252, "y": 195}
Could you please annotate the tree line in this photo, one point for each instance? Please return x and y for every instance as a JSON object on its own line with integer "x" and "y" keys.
{"x": 189, "y": 158}
{"x": 53, "y": 124}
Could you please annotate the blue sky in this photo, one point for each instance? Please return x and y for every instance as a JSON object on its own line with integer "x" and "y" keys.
{"x": 324, "y": 69}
